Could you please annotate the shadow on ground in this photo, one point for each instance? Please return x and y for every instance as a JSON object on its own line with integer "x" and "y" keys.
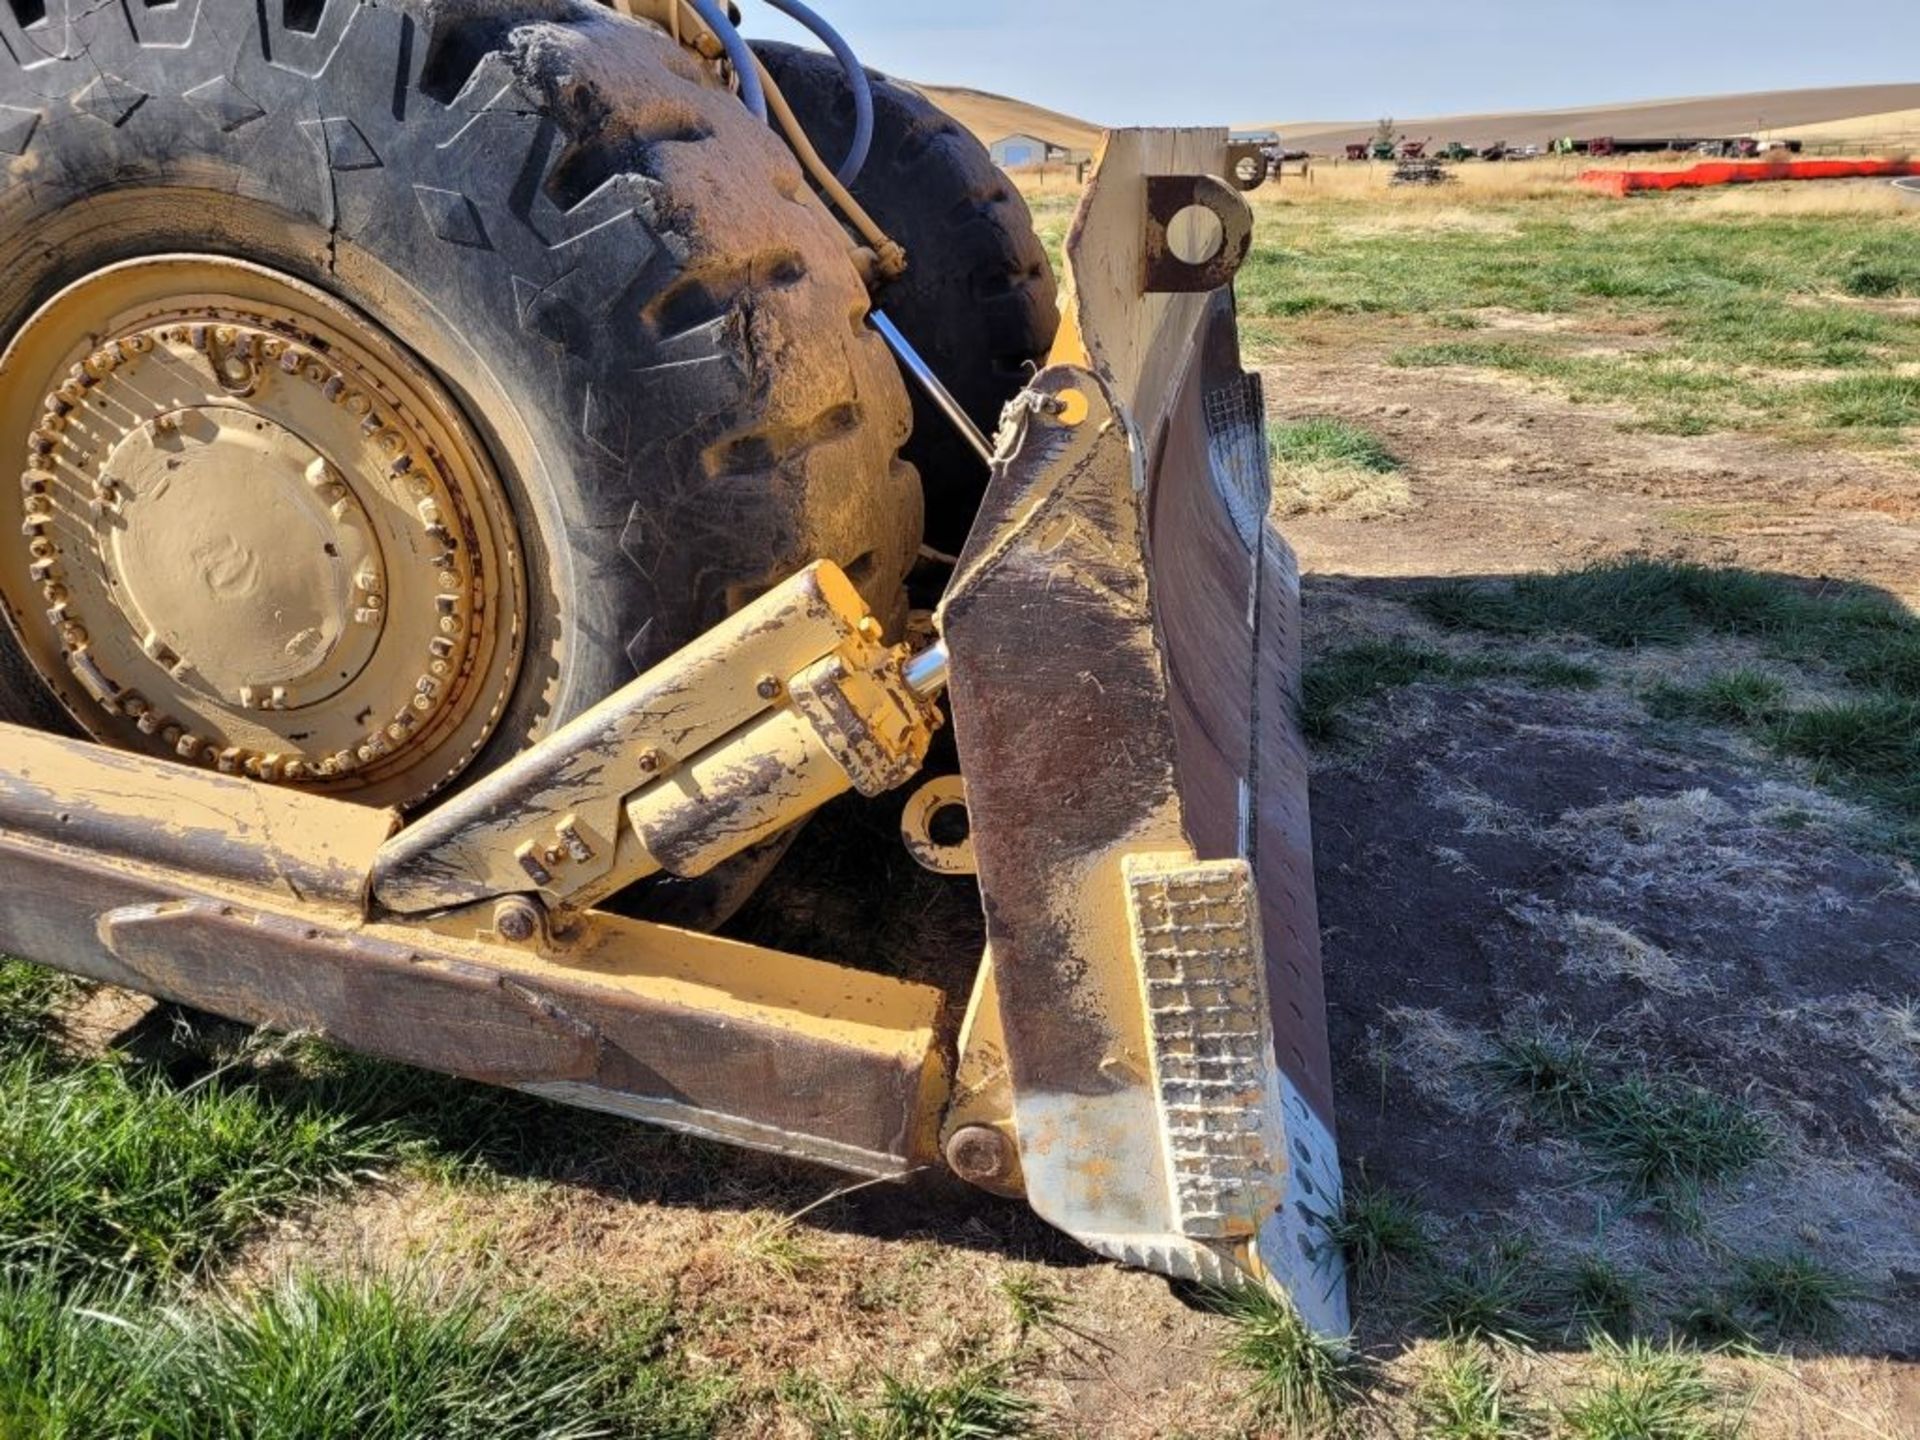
{"x": 1504, "y": 866}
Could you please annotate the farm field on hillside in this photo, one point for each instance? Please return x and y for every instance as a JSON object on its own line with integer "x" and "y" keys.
{"x": 1610, "y": 521}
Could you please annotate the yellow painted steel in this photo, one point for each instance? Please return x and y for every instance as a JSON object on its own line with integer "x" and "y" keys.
{"x": 252, "y": 900}
{"x": 791, "y": 702}
{"x": 254, "y": 534}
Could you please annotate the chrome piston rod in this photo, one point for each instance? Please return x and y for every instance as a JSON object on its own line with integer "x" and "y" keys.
{"x": 931, "y": 383}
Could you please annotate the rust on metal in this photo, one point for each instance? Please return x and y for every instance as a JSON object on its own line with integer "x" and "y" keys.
{"x": 1228, "y": 599}
{"x": 61, "y": 793}
{"x": 982, "y": 1096}
{"x": 1248, "y": 166}
{"x": 705, "y": 1035}
{"x": 981, "y": 1155}
{"x": 1124, "y": 633}
{"x": 1143, "y": 1055}
{"x": 1171, "y": 203}
{"x": 936, "y": 828}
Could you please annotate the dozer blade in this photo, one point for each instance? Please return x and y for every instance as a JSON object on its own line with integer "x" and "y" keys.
{"x": 1125, "y": 667}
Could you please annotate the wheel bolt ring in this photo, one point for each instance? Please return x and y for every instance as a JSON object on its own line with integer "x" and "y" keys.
{"x": 417, "y": 532}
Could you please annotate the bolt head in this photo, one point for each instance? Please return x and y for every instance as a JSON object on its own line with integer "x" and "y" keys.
{"x": 768, "y": 688}
{"x": 980, "y": 1154}
{"x": 516, "y": 921}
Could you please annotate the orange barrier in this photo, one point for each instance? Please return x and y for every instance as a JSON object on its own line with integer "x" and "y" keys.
{"x": 1743, "y": 172}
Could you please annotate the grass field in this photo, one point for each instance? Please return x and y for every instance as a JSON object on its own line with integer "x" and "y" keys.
{"x": 1610, "y": 520}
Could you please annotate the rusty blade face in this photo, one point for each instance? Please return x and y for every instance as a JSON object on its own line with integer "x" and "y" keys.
{"x": 1137, "y": 795}
{"x": 1227, "y": 599}
{"x": 1226, "y": 591}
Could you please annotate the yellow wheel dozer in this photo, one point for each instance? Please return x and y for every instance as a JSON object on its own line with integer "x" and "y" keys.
{"x": 471, "y": 456}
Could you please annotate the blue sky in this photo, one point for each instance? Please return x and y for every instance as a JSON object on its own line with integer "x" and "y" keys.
{"x": 1120, "y": 62}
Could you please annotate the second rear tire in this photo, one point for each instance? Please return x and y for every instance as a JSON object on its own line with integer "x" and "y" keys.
{"x": 978, "y": 300}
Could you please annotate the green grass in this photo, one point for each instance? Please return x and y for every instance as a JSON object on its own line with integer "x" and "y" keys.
{"x": 1864, "y": 742}
{"x": 73, "y": 1364}
{"x": 1495, "y": 1293}
{"x": 1462, "y": 1396}
{"x": 1881, "y": 402}
{"x": 1297, "y": 1378}
{"x": 1711, "y": 1319}
{"x": 1668, "y": 1142}
{"x": 978, "y": 1403}
{"x": 1883, "y": 281}
{"x": 1570, "y": 258}
{"x": 1639, "y": 602}
{"x": 1663, "y": 1142}
{"x": 1734, "y": 697}
{"x": 1676, "y": 392}
{"x": 109, "y": 1166}
{"x": 1865, "y": 747}
{"x": 1742, "y": 311}
{"x": 366, "y": 1358}
{"x": 1034, "y": 1303}
{"x": 1601, "y": 1295}
{"x": 1792, "y": 1293}
{"x": 120, "y": 1178}
{"x": 1324, "y": 440}
{"x": 1378, "y": 1230}
{"x": 1556, "y": 1075}
{"x": 1673, "y": 393}
{"x": 1650, "y": 1392}
{"x": 1875, "y": 737}
{"x": 29, "y": 997}
{"x": 1336, "y": 682}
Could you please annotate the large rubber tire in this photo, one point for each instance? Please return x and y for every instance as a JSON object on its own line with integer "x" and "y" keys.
{"x": 978, "y": 299}
{"x": 618, "y": 273}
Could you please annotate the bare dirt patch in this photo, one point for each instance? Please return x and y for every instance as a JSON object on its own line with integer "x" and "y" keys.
{"x": 1504, "y": 479}
{"x": 1497, "y": 862}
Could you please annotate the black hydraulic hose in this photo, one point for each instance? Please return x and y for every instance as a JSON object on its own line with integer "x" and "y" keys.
{"x": 857, "y": 77}
{"x": 752, "y": 95}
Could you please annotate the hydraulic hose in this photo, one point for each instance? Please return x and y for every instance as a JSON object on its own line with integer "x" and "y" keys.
{"x": 856, "y": 74}
{"x": 891, "y": 259}
{"x": 752, "y": 93}
{"x": 761, "y": 95}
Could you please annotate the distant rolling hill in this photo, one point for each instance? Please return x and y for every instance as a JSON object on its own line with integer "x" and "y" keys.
{"x": 994, "y": 117}
{"x": 1851, "y": 114}
{"x": 1862, "y": 115}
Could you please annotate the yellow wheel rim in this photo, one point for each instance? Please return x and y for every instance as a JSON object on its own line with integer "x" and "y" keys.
{"x": 254, "y": 534}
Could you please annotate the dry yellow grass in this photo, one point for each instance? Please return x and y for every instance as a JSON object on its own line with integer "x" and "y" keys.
{"x": 1763, "y": 114}
{"x": 1893, "y": 129}
{"x": 1843, "y": 197}
{"x": 1349, "y": 491}
{"x": 1476, "y": 184}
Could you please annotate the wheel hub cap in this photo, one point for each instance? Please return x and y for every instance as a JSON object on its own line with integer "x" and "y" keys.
{"x": 244, "y": 562}
{"x": 256, "y": 535}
